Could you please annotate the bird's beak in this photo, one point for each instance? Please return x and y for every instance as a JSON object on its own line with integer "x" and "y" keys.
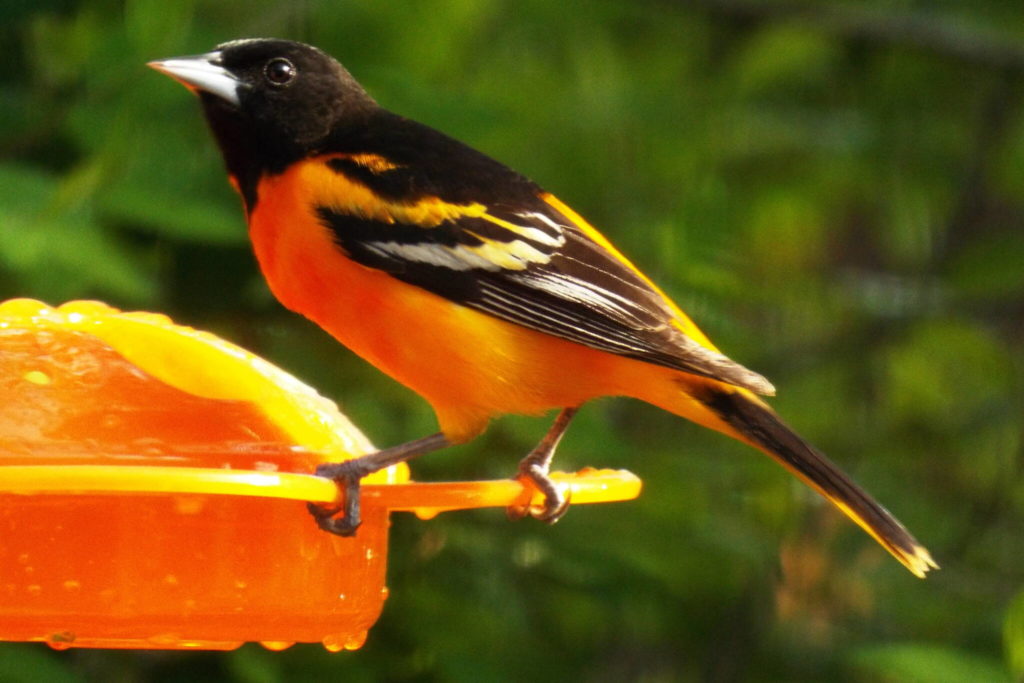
{"x": 202, "y": 73}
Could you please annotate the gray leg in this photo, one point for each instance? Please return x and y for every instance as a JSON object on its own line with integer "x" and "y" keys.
{"x": 535, "y": 467}
{"x": 347, "y": 475}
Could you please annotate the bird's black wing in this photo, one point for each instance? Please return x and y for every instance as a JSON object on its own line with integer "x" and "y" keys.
{"x": 466, "y": 228}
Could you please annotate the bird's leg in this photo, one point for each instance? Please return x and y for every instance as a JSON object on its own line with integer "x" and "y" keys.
{"x": 534, "y": 468}
{"x": 348, "y": 474}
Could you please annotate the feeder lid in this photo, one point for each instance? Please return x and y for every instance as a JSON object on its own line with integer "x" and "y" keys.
{"x": 303, "y": 426}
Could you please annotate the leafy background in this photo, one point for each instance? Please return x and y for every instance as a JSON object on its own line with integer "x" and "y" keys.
{"x": 834, "y": 191}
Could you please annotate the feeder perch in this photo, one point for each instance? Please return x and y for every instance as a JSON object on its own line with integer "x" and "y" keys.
{"x": 153, "y": 489}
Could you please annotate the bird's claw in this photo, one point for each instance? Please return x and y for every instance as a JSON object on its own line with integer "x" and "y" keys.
{"x": 347, "y": 477}
{"x": 325, "y": 519}
{"x": 555, "y": 504}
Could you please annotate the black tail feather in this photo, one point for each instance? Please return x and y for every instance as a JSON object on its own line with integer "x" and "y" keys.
{"x": 760, "y": 426}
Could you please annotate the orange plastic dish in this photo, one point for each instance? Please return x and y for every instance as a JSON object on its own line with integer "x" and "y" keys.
{"x": 153, "y": 481}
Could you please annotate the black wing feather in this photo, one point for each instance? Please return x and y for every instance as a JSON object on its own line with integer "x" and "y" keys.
{"x": 567, "y": 286}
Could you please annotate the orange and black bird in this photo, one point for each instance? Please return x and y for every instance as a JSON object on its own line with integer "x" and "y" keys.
{"x": 464, "y": 280}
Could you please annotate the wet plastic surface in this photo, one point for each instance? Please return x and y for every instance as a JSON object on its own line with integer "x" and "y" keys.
{"x": 153, "y": 482}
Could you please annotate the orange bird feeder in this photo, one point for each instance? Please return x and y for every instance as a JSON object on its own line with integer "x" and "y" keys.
{"x": 153, "y": 481}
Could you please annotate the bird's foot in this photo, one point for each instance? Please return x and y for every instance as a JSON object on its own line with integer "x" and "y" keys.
{"x": 347, "y": 476}
{"x": 555, "y": 504}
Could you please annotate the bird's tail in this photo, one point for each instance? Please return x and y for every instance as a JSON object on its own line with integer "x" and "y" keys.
{"x": 750, "y": 420}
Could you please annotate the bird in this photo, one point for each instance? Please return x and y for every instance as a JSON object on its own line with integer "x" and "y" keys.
{"x": 466, "y": 281}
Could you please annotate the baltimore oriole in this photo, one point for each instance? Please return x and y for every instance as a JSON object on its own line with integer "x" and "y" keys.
{"x": 464, "y": 280}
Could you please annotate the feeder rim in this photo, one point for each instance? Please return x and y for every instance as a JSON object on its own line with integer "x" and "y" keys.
{"x": 586, "y": 486}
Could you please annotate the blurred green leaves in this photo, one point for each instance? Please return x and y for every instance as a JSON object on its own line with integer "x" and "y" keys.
{"x": 28, "y": 664}
{"x": 1013, "y": 636}
{"x": 49, "y": 237}
{"x": 915, "y": 663}
{"x": 948, "y": 375}
{"x": 839, "y": 206}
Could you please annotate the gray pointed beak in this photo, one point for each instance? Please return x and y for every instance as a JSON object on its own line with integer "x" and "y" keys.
{"x": 201, "y": 73}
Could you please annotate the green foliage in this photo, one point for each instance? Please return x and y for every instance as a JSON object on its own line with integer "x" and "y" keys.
{"x": 1013, "y": 636}
{"x": 26, "y": 665}
{"x": 926, "y": 664}
{"x": 837, "y": 204}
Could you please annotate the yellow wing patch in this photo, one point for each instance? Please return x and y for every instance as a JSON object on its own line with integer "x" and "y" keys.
{"x": 514, "y": 255}
{"x": 335, "y": 191}
{"x": 374, "y": 162}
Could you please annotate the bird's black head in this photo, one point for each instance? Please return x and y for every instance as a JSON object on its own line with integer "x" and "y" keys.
{"x": 269, "y": 102}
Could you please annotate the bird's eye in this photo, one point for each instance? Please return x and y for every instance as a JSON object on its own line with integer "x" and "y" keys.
{"x": 279, "y": 71}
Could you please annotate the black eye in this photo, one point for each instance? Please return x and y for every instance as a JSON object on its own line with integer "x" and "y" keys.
{"x": 279, "y": 71}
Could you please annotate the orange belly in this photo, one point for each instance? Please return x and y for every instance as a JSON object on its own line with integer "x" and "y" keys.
{"x": 470, "y": 366}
